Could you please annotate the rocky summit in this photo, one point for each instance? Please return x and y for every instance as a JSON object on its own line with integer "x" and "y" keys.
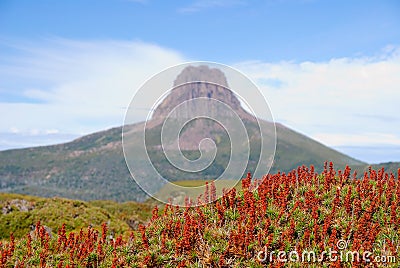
{"x": 199, "y": 82}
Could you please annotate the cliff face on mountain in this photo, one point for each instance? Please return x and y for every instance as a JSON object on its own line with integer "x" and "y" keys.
{"x": 199, "y": 82}
{"x": 201, "y": 96}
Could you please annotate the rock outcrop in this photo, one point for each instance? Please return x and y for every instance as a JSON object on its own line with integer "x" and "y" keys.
{"x": 199, "y": 82}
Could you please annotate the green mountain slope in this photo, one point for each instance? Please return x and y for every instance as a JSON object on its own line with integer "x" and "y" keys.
{"x": 93, "y": 167}
{"x": 294, "y": 149}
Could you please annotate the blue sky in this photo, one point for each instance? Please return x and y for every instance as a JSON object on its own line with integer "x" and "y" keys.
{"x": 218, "y": 30}
{"x": 329, "y": 69}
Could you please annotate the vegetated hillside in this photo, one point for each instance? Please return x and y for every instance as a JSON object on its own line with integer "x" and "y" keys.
{"x": 93, "y": 167}
{"x": 20, "y": 212}
{"x": 299, "y": 219}
{"x": 294, "y": 149}
{"x": 89, "y": 168}
{"x": 389, "y": 166}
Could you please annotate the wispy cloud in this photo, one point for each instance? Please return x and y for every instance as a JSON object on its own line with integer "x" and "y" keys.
{"x": 75, "y": 86}
{"x": 379, "y": 117}
{"x": 200, "y": 5}
{"x": 339, "y": 102}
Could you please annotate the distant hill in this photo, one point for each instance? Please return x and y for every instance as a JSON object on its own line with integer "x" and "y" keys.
{"x": 89, "y": 168}
{"x": 388, "y": 166}
{"x": 93, "y": 167}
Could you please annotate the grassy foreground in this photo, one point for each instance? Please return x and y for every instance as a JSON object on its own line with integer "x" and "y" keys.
{"x": 258, "y": 226}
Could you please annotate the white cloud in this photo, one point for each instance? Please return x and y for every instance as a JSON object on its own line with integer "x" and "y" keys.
{"x": 339, "y": 102}
{"x": 14, "y": 130}
{"x": 52, "y": 131}
{"x": 77, "y": 86}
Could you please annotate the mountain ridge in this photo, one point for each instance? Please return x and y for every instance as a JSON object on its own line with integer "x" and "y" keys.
{"x": 26, "y": 171}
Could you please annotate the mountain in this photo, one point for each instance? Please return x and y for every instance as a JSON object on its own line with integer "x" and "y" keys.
{"x": 93, "y": 167}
